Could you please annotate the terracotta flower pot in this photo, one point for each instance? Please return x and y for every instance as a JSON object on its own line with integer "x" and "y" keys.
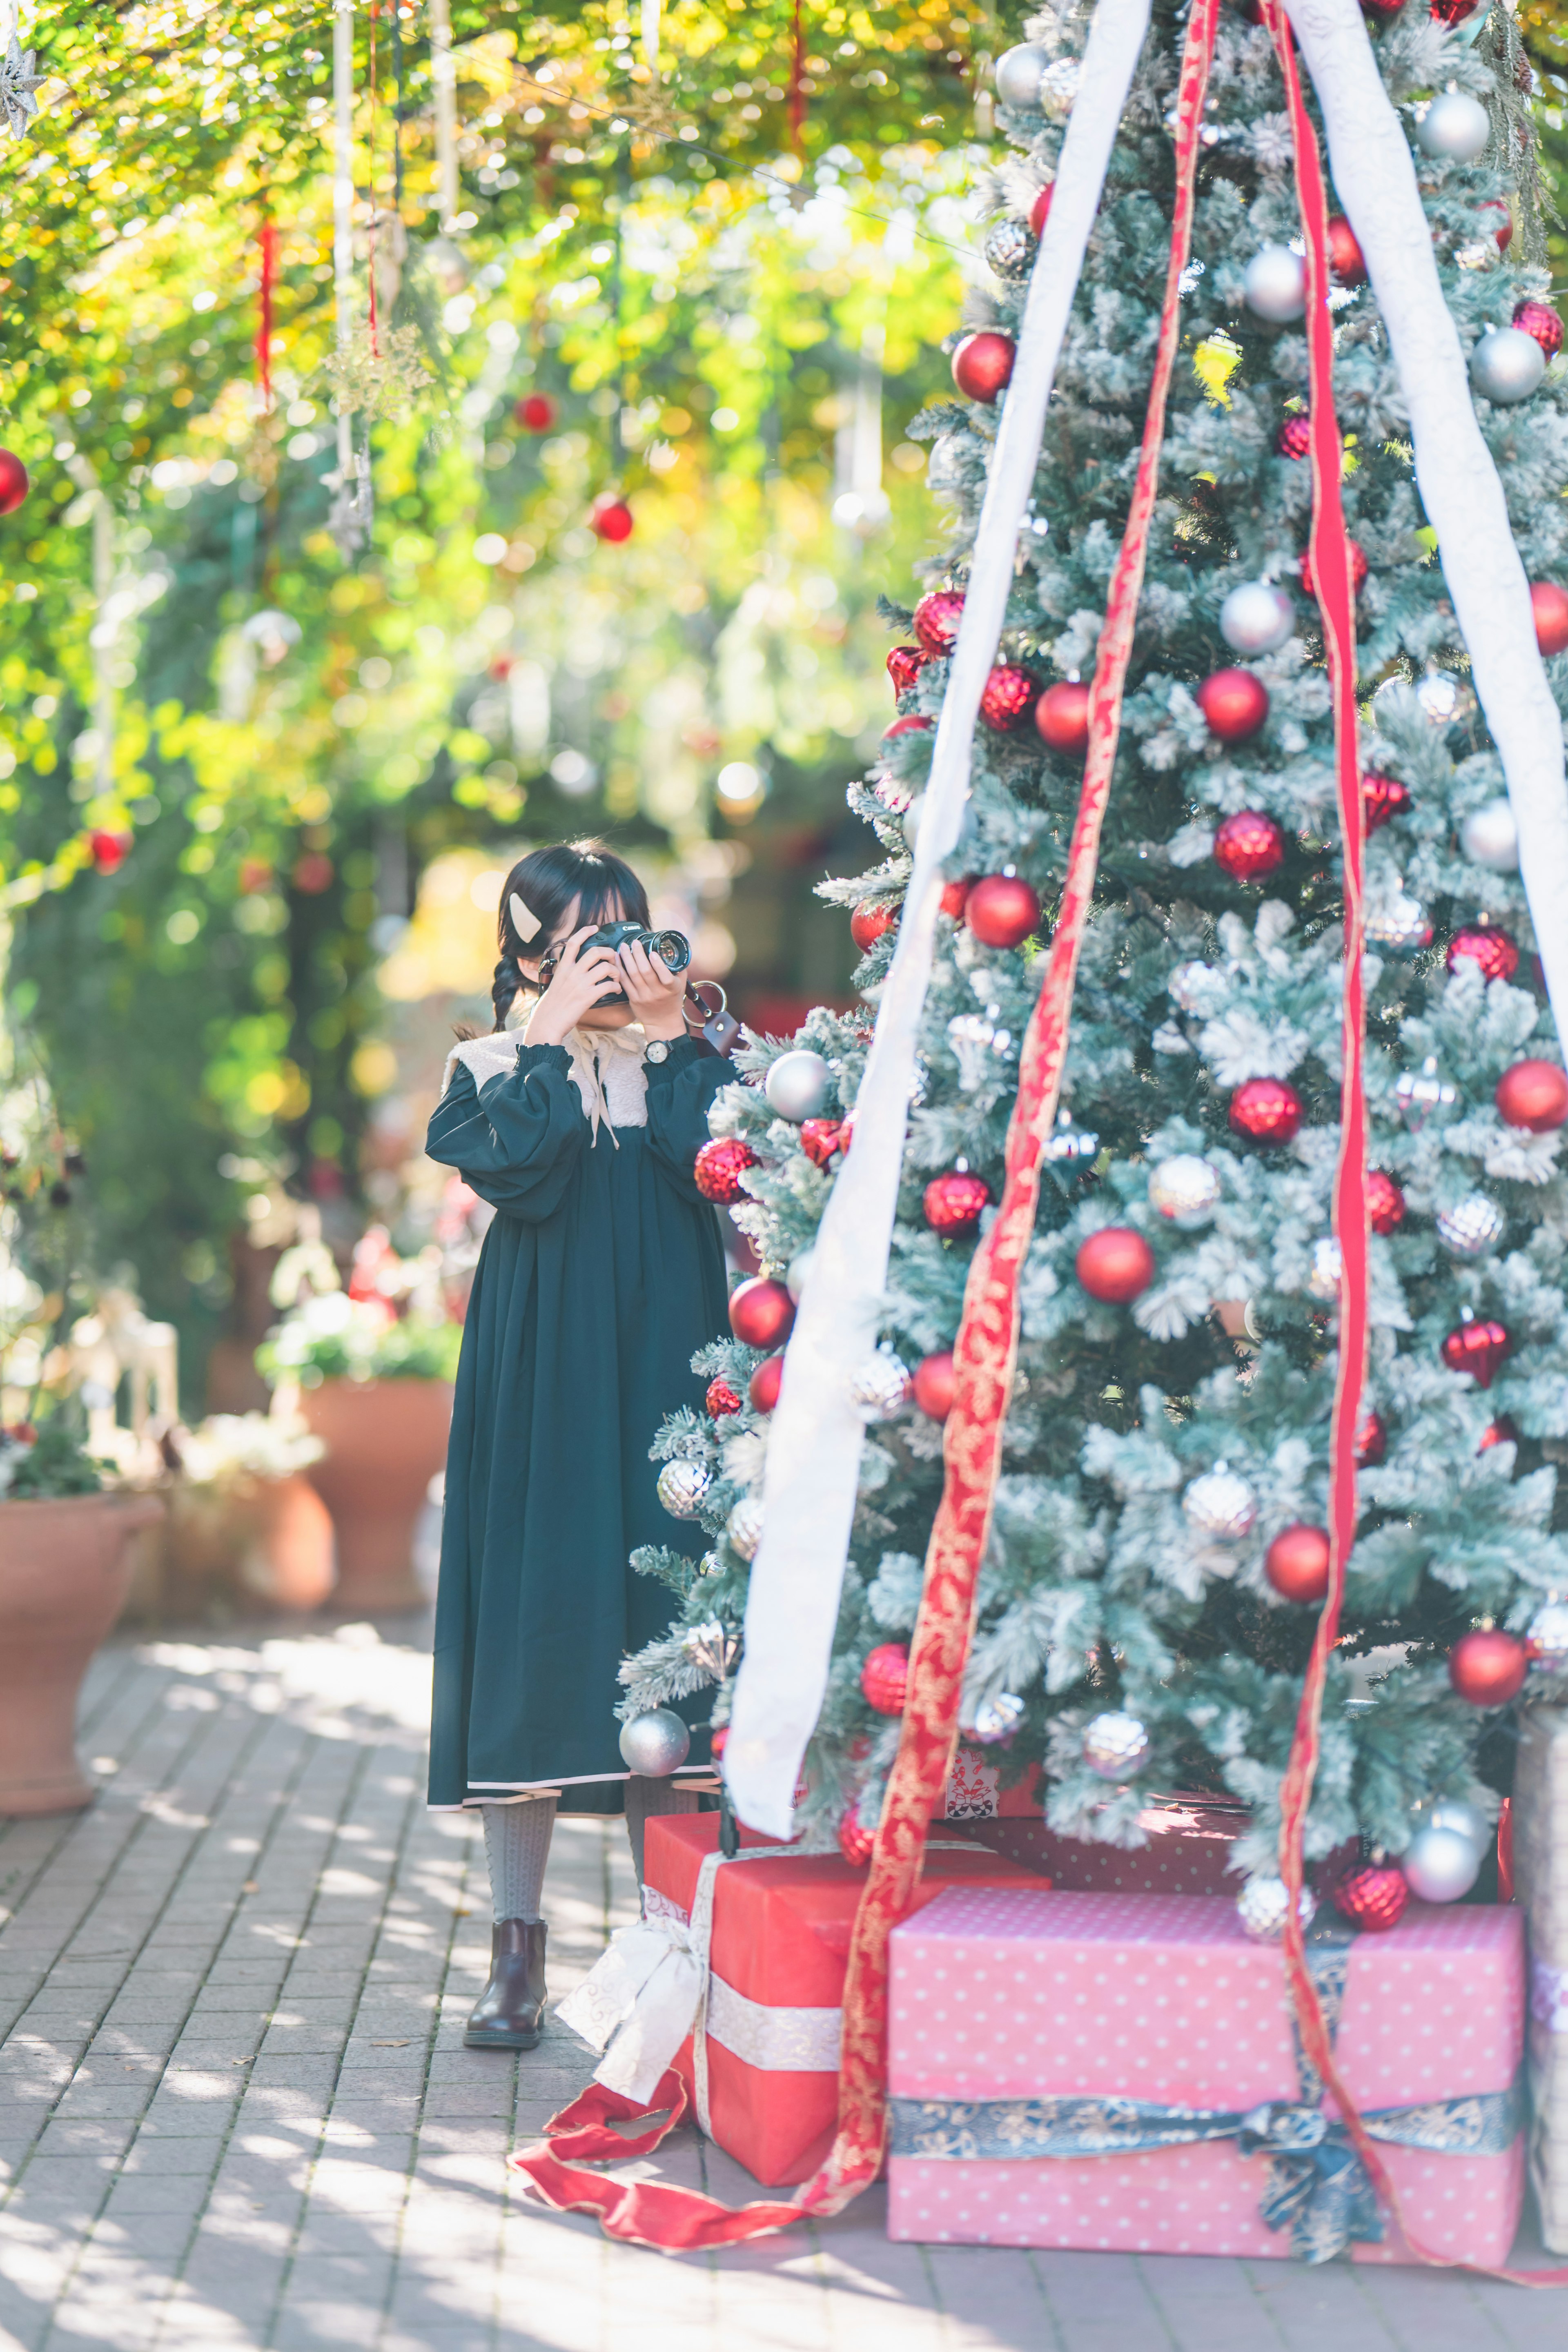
{"x": 285, "y": 1543}
{"x": 385, "y": 1440}
{"x": 63, "y": 1577}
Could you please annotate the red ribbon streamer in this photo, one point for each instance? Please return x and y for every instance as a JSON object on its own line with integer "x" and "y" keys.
{"x": 268, "y": 242}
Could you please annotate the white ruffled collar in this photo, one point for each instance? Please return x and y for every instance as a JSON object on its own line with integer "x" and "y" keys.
{"x": 607, "y": 1068}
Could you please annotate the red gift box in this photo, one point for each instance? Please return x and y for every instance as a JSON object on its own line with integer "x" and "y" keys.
{"x": 1021, "y": 2020}
{"x": 780, "y": 1948}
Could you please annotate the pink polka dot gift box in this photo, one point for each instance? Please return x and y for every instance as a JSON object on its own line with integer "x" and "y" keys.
{"x": 1119, "y": 2072}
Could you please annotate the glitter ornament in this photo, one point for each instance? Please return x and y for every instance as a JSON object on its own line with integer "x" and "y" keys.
{"x": 535, "y": 411}
{"x": 14, "y": 483}
{"x": 936, "y": 620}
{"x": 1455, "y": 127}
{"x": 1235, "y": 704}
{"x": 982, "y": 365}
{"x": 870, "y": 919}
{"x": 1296, "y": 1562}
{"x": 952, "y": 1202}
{"x": 885, "y": 1677}
{"x": 1114, "y": 1745}
{"x": 1009, "y": 250}
{"x": 997, "y": 1719}
{"x": 763, "y": 1386}
{"x": 1058, "y": 88}
{"x": 1534, "y": 1095}
{"x": 1221, "y": 1505}
{"x": 1399, "y": 926}
{"x": 1069, "y": 1151}
{"x": 655, "y": 1745}
{"x": 1383, "y": 797}
{"x": 1115, "y": 1265}
{"x": 1490, "y": 837}
{"x": 744, "y": 1528}
{"x": 1186, "y": 1190}
{"x": 1255, "y": 618}
{"x": 1184, "y": 982}
{"x": 1274, "y": 285}
{"x": 1008, "y": 698}
{"x": 1000, "y": 911}
{"x": 1358, "y": 570}
{"x": 1439, "y": 1865}
{"x": 1061, "y": 716}
{"x": 1547, "y": 1639}
{"x": 1264, "y": 1906}
{"x": 682, "y": 1486}
{"x": 1471, "y": 1226}
{"x": 1294, "y": 438}
{"x": 797, "y": 1085}
{"x": 1019, "y": 72}
{"x": 881, "y": 1388}
{"x": 1266, "y": 1109}
{"x": 1327, "y": 1269}
{"x": 1420, "y": 1093}
{"x": 718, "y": 1167}
{"x": 1488, "y": 1667}
{"x": 718, "y": 1399}
{"x": 1537, "y": 319}
{"x": 820, "y": 1139}
{"x": 905, "y": 664}
{"x": 1347, "y": 264}
{"x": 1505, "y": 366}
{"x": 855, "y": 1840}
{"x": 1477, "y": 1348}
{"x": 761, "y": 1312}
{"x": 799, "y": 1273}
{"x": 1485, "y": 944}
{"x": 1373, "y": 1896}
{"x": 1371, "y": 1441}
{"x": 1384, "y": 1201}
{"x": 934, "y": 1385}
{"x": 1248, "y": 845}
{"x": 611, "y": 520}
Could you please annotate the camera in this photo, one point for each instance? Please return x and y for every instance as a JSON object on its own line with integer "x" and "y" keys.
{"x": 673, "y": 949}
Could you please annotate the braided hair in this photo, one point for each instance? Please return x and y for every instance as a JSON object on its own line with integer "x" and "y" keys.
{"x": 546, "y": 881}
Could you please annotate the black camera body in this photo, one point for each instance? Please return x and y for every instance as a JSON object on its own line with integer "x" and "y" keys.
{"x": 673, "y": 949}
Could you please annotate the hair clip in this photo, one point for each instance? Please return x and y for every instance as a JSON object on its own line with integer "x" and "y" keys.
{"x": 524, "y": 922}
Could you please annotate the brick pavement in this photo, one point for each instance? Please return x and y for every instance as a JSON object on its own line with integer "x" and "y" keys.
{"x": 234, "y": 2110}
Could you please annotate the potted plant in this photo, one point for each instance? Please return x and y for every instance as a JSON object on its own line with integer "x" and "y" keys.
{"x": 245, "y": 1520}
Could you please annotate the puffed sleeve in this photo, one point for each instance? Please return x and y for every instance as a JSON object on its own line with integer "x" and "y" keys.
{"x": 517, "y": 1139}
{"x": 680, "y": 1091}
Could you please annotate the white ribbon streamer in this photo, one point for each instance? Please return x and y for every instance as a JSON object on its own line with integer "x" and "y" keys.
{"x": 814, "y": 1441}
{"x": 1464, "y": 499}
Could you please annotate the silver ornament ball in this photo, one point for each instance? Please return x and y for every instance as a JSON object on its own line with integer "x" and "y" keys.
{"x": 1114, "y": 1745}
{"x": 1398, "y": 926}
{"x": 1439, "y": 1864}
{"x": 681, "y": 1487}
{"x": 709, "y": 1565}
{"x": 744, "y": 1528}
{"x": 944, "y": 469}
{"x": 881, "y": 1388}
{"x": 997, "y": 1719}
{"x": 1471, "y": 1226}
{"x": 1328, "y": 1266}
{"x": 1185, "y": 1188}
{"x": 1548, "y": 1635}
{"x": 1257, "y": 618}
{"x": 1467, "y": 1821}
{"x": 1019, "y": 73}
{"x": 655, "y": 1744}
{"x": 1058, "y": 88}
{"x": 1275, "y": 285}
{"x": 1490, "y": 837}
{"x": 798, "y": 1084}
{"x": 1010, "y": 248}
{"x": 1264, "y": 1906}
{"x": 799, "y": 1273}
{"x": 1186, "y": 981}
{"x": 1440, "y": 695}
{"x": 1220, "y": 1504}
{"x": 1506, "y": 365}
{"x": 1069, "y": 1151}
{"x": 1455, "y": 127}
{"x": 1420, "y": 1093}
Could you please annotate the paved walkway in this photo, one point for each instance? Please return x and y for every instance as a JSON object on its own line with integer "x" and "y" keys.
{"x": 234, "y": 2110}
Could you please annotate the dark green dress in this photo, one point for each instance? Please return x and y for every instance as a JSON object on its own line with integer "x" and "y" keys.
{"x": 601, "y": 1273}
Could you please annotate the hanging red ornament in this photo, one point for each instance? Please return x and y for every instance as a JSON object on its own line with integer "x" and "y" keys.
{"x": 1115, "y": 1265}
{"x": 611, "y": 520}
{"x": 1534, "y": 1095}
{"x": 1373, "y": 1896}
{"x": 1532, "y": 317}
{"x": 953, "y": 1201}
{"x": 718, "y": 1167}
{"x": 1267, "y": 1110}
{"x": 1358, "y": 570}
{"x": 1548, "y": 605}
{"x": 821, "y": 1137}
{"x": 934, "y": 1385}
{"x": 1383, "y": 797}
{"x": 905, "y": 664}
{"x": 1296, "y": 1562}
{"x": 1234, "y": 703}
{"x": 870, "y": 919}
{"x": 1384, "y": 1201}
{"x": 1040, "y": 210}
{"x": 1477, "y": 1347}
{"x": 1062, "y": 716}
{"x": 1000, "y": 911}
{"x": 855, "y": 1840}
{"x": 717, "y": 1742}
{"x": 762, "y": 1388}
{"x": 1294, "y": 438}
{"x": 983, "y": 366}
{"x": 1503, "y": 232}
{"x": 955, "y": 898}
{"x": 1371, "y": 1441}
{"x": 721, "y": 1399}
{"x": 13, "y": 482}
{"x": 1486, "y": 945}
{"x": 1347, "y": 264}
{"x": 1007, "y": 696}
{"x": 1503, "y": 1430}
{"x": 1488, "y": 1667}
{"x": 1452, "y": 12}
{"x": 535, "y": 411}
{"x": 937, "y": 616}
{"x": 110, "y": 850}
{"x": 911, "y": 724}
{"x": 885, "y": 1677}
{"x": 1248, "y": 845}
{"x": 761, "y": 1312}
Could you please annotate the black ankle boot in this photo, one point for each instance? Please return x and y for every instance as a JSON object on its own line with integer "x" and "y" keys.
{"x": 510, "y": 2012}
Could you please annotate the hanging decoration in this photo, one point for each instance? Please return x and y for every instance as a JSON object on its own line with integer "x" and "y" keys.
{"x": 266, "y": 241}
{"x": 18, "y": 83}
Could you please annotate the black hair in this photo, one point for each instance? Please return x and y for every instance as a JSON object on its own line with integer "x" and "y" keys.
{"x": 547, "y": 880}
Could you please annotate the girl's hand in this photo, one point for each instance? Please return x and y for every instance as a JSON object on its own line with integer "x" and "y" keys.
{"x": 656, "y": 994}
{"x": 575, "y": 989}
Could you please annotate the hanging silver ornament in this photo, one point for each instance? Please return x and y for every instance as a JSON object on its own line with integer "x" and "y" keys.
{"x": 997, "y": 1719}
{"x": 1455, "y": 127}
{"x": 798, "y": 1084}
{"x": 1420, "y": 1093}
{"x": 1441, "y": 697}
{"x": 1115, "y": 1745}
{"x": 1264, "y": 1906}
{"x": 1058, "y": 88}
{"x": 1275, "y": 285}
{"x": 1490, "y": 837}
{"x": 1472, "y": 1227}
{"x": 800, "y": 1268}
{"x": 1187, "y": 1190}
{"x": 654, "y": 1745}
{"x": 712, "y": 1647}
{"x": 18, "y": 83}
{"x": 1070, "y": 1151}
{"x": 744, "y": 1528}
{"x": 1439, "y": 1864}
{"x": 682, "y": 1486}
{"x": 944, "y": 470}
{"x": 881, "y": 1388}
{"x": 709, "y": 1565}
{"x": 1257, "y": 618}
{"x": 1548, "y": 1635}
{"x": 1220, "y": 1504}
{"x": 1398, "y": 926}
{"x": 1019, "y": 73}
{"x": 1506, "y": 365}
{"x": 970, "y": 1035}
{"x": 1328, "y": 1266}
{"x": 1467, "y": 1821}
{"x": 1010, "y": 248}
{"x": 1184, "y": 982}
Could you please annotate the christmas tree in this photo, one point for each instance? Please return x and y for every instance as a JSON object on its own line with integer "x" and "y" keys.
{"x": 1146, "y": 1604}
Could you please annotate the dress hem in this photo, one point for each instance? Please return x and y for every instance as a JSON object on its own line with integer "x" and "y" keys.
{"x": 496, "y": 1792}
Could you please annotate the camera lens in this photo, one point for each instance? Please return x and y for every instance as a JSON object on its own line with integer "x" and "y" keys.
{"x": 673, "y": 949}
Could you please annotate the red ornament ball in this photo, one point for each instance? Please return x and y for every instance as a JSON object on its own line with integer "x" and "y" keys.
{"x": 762, "y": 1388}
{"x": 1477, "y": 1347}
{"x": 761, "y": 1312}
{"x": 983, "y": 366}
{"x": 1534, "y": 1095}
{"x": 1115, "y": 1265}
{"x": 719, "y": 1741}
{"x": 719, "y": 1400}
{"x": 934, "y": 1385}
{"x": 1266, "y": 1109}
{"x": 1538, "y": 319}
{"x": 1452, "y": 12}
{"x": 1373, "y": 1896}
{"x": 905, "y": 664}
{"x": 1294, "y": 438}
{"x": 937, "y": 617}
{"x": 1488, "y": 1667}
{"x": 1061, "y": 715}
{"x": 1358, "y": 570}
{"x": 13, "y": 482}
{"x": 109, "y": 851}
{"x": 1296, "y": 1562}
{"x": 1383, "y": 797}
{"x": 1503, "y": 1430}
{"x": 885, "y": 1677}
{"x": 869, "y": 921}
{"x": 535, "y": 411}
{"x": 1347, "y": 264}
{"x": 1548, "y": 605}
{"x": 1384, "y": 1201}
{"x": 1486, "y": 945}
{"x": 953, "y": 1201}
{"x": 1008, "y": 698}
{"x": 611, "y": 520}
{"x": 855, "y": 1840}
{"x": 1234, "y": 703}
{"x": 821, "y": 1137}
{"x": 954, "y": 898}
{"x": 1001, "y": 909}
{"x": 1040, "y": 210}
{"x": 911, "y": 724}
{"x": 719, "y": 1166}
{"x": 1250, "y": 846}
{"x": 1503, "y": 233}
{"x": 1371, "y": 1441}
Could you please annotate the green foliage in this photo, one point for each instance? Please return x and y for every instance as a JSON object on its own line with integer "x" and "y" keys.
{"x": 334, "y": 1338}
{"x": 55, "y": 1466}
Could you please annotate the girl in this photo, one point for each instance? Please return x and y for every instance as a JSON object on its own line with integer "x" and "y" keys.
{"x": 601, "y": 1274}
